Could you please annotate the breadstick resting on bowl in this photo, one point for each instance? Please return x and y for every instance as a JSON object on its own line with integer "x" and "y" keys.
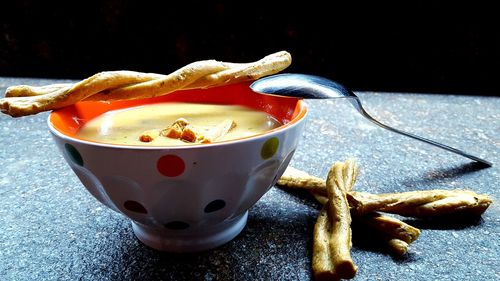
{"x": 25, "y": 100}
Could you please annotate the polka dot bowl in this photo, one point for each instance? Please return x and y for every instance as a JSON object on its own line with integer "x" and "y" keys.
{"x": 183, "y": 198}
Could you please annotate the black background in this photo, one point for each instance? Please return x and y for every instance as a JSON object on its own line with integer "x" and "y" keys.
{"x": 417, "y": 46}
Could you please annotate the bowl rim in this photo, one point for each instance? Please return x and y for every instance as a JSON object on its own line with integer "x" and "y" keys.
{"x": 301, "y": 109}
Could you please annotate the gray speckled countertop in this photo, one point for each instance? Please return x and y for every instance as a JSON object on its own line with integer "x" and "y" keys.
{"x": 51, "y": 228}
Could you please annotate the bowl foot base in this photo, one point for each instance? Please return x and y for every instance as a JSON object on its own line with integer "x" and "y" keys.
{"x": 176, "y": 241}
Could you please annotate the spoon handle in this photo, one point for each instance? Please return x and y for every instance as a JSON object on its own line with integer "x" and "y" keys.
{"x": 356, "y": 102}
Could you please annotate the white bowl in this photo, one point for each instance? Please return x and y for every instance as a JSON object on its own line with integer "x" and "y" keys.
{"x": 183, "y": 198}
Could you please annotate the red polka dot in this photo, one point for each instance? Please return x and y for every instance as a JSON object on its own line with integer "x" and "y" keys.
{"x": 170, "y": 165}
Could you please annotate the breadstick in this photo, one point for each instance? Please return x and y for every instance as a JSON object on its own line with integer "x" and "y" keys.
{"x": 27, "y": 91}
{"x": 232, "y": 73}
{"x": 424, "y": 203}
{"x": 333, "y": 261}
{"x": 158, "y": 87}
{"x": 322, "y": 265}
{"x": 322, "y": 199}
{"x": 120, "y": 85}
{"x": 391, "y": 227}
{"x": 398, "y": 247}
{"x": 64, "y": 96}
{"x": 268, "y": 65}
{"x": 297, "y": 179}
{"x": 397, "y": 234}
{"x": 349, "y": 174}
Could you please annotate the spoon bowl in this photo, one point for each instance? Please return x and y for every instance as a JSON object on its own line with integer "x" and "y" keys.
{"x": 316, "y": 87}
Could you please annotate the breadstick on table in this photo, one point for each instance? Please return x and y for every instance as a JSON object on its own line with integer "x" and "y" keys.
{"x": 350, "y": 172}
{"x": 322, "y": 265}
{"x": 398, "y": 246}
{"x": 424, "y": 203}
{"x": 297, "y": 179}
{"x": 122, "y": 85}
{"x": 396, "y": 233}
{"x": 332, "y": 232}
{"x": 322, "y": 199}
{"x": 393, "y": 228}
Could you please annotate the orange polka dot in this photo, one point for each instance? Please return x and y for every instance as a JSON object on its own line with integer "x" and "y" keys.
{"x": 170, "y": 165}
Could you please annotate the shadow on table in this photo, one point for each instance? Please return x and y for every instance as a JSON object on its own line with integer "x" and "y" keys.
{"x": 442, "y": 174}
{"x": 268, "y": 248}
{"x": 365, "y": 239}
{"x": 447, "y": 222}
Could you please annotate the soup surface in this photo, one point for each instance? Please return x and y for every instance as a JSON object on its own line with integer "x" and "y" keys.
{"x": 129, "y": 126}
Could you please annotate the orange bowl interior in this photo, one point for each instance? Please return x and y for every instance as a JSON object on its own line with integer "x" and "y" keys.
{"x": 69, "y": 120}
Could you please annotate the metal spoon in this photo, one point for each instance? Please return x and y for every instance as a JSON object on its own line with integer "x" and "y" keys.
{"x": 316, "y": 87}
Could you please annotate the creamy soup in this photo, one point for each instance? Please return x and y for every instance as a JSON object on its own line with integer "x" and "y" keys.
{"x": 145, "y": 125}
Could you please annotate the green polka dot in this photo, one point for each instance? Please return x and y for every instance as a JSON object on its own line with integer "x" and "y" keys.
{"x": 269, "y": 148}
{"x": 74, "y": 155}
